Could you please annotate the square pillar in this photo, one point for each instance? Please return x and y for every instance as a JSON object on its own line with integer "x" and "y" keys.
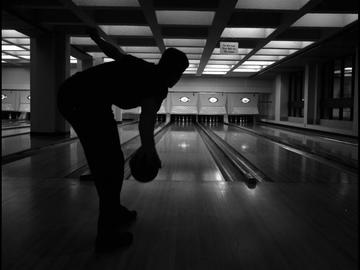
{"x": 310, "y": 94}
{"x": 50, "y": 66}
{"x": 281, "y": 97}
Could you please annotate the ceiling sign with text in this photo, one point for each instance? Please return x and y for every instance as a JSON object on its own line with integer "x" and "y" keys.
{"x": 229, "y": 48}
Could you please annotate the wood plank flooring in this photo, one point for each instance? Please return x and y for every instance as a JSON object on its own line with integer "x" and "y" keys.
{"x": 50, "y": 224}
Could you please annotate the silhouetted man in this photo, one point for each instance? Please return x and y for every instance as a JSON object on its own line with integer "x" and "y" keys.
{"x": 85, "y": 100}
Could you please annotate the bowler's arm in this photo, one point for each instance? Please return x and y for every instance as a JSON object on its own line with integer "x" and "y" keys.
{"x": 149, "y": 108}
{"x": 109, "y": 49}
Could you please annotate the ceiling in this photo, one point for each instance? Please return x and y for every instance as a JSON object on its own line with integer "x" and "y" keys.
{"x": 260, "y": 35}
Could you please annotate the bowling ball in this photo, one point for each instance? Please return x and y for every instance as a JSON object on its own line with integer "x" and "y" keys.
{"x": 143, "y": 169}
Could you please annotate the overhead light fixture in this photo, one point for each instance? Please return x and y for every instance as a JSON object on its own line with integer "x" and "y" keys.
{"x": 3, "y": 96}
{"x": 7, "y": 56}
{"x": 11, "y": 48}
{"x": 260, "y": 63}
{"x": 174, "y": 42}
{"x": 279, "y": 44}
{"x": 245, "y": 32}
{"x": 215, "y": 72}
{"x": 28, "y": 97}
{"x": 126, "y": 30}
{"x": 10, "y": 33}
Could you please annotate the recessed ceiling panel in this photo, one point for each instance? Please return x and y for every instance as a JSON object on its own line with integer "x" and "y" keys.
{"x": 280, "y": 44}
{"x": 275, "y": 52}
{"x": 325, "y": 20}
{"x": 141, "y": 49}
{"x": 190, "y": 49}
{"x": 147, "y": 55}
{"x": 220, "y": 62}
{"x": 185, "y": 17}
{"x": 261, "y": 63}
{"x": 97, "y": 54}
{"x": 11, "y": 48}
{"x": 214, "y": 72}
{"x": 113, "y": 3}
{"x": 271, "y": 4}
{"x": 235, "y": 32}
{"x": 19, "y": 41}
{"x": 193, "y": 56}
{"x": 126, "y": 30}
{"x": 173, "y": 42}
{"x": 226, "y": 57}
{"x": 81, "y": 41}
{"x": 8, "y": 57}
{"x": 266, "y": 57}
{"x": 11, "y": 34}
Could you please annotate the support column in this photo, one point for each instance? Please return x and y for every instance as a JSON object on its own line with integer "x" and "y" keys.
{"x": 50, "y": 66}
{"x": 281, "y": 98}
{"x": 356, "y": 95}
{"x": 310, "y": 100}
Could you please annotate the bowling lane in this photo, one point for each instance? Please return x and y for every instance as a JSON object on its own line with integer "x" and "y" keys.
{"x": 60, "y": 160}
{"x": 185, "y": 157}
{"x": 14, "y": 131}
{"x": 14, "y": 144}
{"x": 278, "y": 163}
{"x": 333, "y": 146}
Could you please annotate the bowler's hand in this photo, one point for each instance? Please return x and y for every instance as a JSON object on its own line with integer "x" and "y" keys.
{"x": 151, "y": 156}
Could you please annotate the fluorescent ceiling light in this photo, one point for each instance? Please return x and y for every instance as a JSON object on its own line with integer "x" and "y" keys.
{"x": 11, "y": 34}
{"x": 73, "y": 61}
{"x": 126, "y": 30}
{"x": 267, "y": 57}
{"x": 190, "y": 72}
{"x": 261, "y": 63}
{"x": 97, "y": 54}
{"x": 81, "y": 41}
{"x": 147, "y": 55}
{"x": 278, "y": 44}
{"x": 325, "y": 20}
{"x": 240, "y": 51}
{"x": 271, "y": 4}
{"x": 184, "y": 17}
{"x": 113, "y": 3}
{"x": 19, "y": 41}
{"x": 20, "y": 53}
{"x": 173, "y": 42}
{"x": 25, "y": 56}
{"x": 251, "y": 67}
{"x": 275, "y": 52}
{"x": 107, "y": 59}
{"x": 235, "y": 32}
{"x": 11, "y": 48}
{"x": 190, "y": 49}
{"x": 226, "y": 57}
{"x": 140, "y": 49}
{"x": 215, "y": 72}
{"x": 219, "y": 66}
{"x": 7, "y": 56}
{"x": 193, "y": 61}
{"x": 246, "y": 70}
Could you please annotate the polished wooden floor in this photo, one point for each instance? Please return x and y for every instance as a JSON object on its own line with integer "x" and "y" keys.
{"x": 189, "y": 218}
{"x": 184, "y": 225}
